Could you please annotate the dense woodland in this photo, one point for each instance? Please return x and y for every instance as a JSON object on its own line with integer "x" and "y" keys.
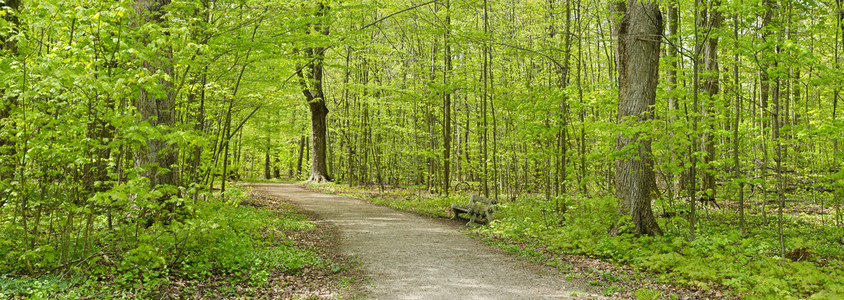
{"x": 120, "y": 121}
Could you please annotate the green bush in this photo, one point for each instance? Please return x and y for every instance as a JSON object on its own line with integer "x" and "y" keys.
{"x": 221, "y": 237}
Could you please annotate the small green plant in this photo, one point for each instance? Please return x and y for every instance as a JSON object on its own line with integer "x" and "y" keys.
{"x": 611, "y": 290}
{"x": 44, "y": 287}
{"x": 604, "y": 278}
{"x": 647, "y": 294}
{"x": 234, "y": 197}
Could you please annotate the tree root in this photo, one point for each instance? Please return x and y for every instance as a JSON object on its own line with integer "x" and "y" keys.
{"x": 317, "y": 179}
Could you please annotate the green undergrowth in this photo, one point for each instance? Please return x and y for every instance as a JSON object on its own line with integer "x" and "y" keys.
{"x": 225, "y": 243}
{"x": 746, "y": 266}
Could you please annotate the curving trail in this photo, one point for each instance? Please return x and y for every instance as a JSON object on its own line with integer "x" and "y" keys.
{"x": 411, "y": 257}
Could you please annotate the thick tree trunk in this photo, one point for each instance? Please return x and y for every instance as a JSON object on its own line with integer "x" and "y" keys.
{"x": 710, "y": 21}
{"x": 638, "y": 70}
{"x": 319, "y": 168}
{"x": 158, "y": 157}
{"x": 310, "y": 79}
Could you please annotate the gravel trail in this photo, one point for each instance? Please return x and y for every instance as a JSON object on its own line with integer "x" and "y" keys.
{"x": 412, "y": 257}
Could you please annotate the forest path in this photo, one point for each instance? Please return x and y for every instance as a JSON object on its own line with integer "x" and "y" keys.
{"x": 412, "y": 257}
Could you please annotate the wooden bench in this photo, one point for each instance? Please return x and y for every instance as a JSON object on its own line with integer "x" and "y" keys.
{"x": 479, "y": 210}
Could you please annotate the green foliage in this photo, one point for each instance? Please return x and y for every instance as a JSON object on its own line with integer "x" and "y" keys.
{"x": 239, "y": 242}
{"x": 73, "y": 200}
{"x": 611, "y": 290}
{"x": 647, "y": 294}
{"x": 747, "y": 266}
{"x": 45, "y": 287}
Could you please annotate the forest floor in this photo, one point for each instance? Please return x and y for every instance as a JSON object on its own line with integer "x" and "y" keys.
{"x": 341, "y": 279}
{"x": 595, "y": 276}
{"x": 407, "y": 256}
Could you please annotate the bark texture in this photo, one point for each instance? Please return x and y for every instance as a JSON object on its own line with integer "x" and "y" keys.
{"x": 157, "y": 106}
{"x": 319, "y": 167}
{"x": 638, "y": 71}
{"x": 710, "y": 19}
{"x": 310, "y": 79}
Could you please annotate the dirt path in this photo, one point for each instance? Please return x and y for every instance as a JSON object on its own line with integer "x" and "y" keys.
{"x": 413, "y": 257}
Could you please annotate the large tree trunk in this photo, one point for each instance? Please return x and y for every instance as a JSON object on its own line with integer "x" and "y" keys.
{"x": 310, "y": 79}
{"x": 710, "y": 21}
{"x": 319, "y": 167}
{"x": 158, "y": 157}
{"x": 638, "y": 71}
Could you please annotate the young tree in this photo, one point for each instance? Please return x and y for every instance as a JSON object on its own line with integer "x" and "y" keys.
{"x": 447, "y": 100}
{"x": 736, "y": 138}
{"x": 638, "y": 72}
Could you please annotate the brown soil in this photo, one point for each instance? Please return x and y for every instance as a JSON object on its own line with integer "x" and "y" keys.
{"x": 406, "y": 256}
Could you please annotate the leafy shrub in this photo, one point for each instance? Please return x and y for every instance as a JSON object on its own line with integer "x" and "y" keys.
{"x": 220, "y": 237}
{"x": 46, "y": 287}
